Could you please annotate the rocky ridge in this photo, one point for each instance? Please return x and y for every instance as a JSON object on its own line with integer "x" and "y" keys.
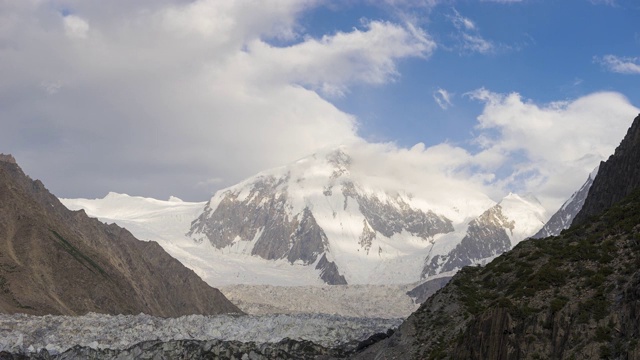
{"x": 57, "y": 261}
{"x": 617, "y": 177}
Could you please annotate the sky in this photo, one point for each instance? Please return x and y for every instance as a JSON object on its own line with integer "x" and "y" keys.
{"x": 175, "y": 97}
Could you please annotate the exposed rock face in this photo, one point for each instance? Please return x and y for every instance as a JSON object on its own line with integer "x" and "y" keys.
{"x": 7, "y": 158}
{"x": 486, "y": 237}
{"x": 617, "y": 177}
{"x": 563, "y": 218}
{"x": 395, "y": 215}
{"x": 329, "y": 272}
{"x": 56, "y": 261}
{"x": 262, "y": 216}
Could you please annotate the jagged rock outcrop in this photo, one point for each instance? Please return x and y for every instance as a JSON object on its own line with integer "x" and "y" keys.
{"x": 395, "y": 215}
{"x": 617, "y": 177}
{"x": 574, "y": 296}
{"x": 563, "y": 218}
{"x": 57, "y": 261}
{"x": 486, "y": 237}
{"x": 329, "y": 272}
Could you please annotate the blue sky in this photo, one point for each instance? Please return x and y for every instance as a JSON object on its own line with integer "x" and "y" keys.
{"x": 172, "y": 97}
{"x": 545, "y": 50}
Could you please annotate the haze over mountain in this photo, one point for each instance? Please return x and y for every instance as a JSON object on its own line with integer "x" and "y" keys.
{"x": 57, "y": 261}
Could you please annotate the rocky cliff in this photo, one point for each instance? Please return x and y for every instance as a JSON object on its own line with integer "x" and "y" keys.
{"x": 57, "y": 261}
{"x": 617, "y": 177}
{"x": 575, "y": 296}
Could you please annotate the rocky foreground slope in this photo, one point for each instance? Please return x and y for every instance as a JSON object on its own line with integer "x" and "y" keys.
{"x": 57, "y": 261}
{"x": 575, "y": 296}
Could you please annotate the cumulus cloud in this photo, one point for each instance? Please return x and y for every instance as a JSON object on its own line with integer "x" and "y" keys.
{"x": 521, "y": 146}
{"x": 146, "y": 96}
{"x": 549, "y": 148}
{"x": 443, "y": 98}
{"x": 621, "y": 65}
{"x": 334, "y": 62}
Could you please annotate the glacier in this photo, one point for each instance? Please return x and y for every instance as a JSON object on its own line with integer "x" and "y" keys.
{"x": 25, "y": 334}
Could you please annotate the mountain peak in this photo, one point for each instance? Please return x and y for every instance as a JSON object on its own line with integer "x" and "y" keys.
{"x": 7, "y": 158}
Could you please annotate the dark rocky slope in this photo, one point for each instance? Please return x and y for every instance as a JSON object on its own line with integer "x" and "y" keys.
{"x": 575, "y": 296}
{"x": 617, "y": 177}
{"x": 57, "y": 261}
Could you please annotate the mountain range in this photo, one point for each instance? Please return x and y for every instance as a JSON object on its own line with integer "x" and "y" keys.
{"x": 320, "y": 220}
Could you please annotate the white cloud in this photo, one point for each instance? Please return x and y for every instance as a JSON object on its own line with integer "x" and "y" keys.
{"x": 549, "y": 149}
{"x": 76, "y": 27}
{"x": 334, "y": 62}
{"x": 622, "y": 65}
{"x": 166, "y": 94}
{"x": 443, "y": 98}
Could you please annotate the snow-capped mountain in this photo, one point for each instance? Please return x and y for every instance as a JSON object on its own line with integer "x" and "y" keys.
{"x": 320, "y": 214}
{"x": 325, "y": 220}
{"x": 563, "y": 218}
